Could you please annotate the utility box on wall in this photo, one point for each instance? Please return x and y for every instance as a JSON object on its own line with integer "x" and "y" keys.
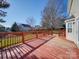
{"x": 72, "y": 30}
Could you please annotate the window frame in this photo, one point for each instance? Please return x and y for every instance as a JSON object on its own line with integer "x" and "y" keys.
{"x": 69, "y": 27}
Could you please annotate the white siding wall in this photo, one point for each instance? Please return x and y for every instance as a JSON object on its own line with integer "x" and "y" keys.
{"x": 68, "y": 6}
{"x": 74, "y": 10}
{"x": 77, "y": 33}
{"x": 74, "y": 7}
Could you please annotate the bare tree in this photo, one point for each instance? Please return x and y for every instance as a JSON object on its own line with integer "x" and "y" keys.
{"x": 30, "y": 21}
{"x": 51, "y": 14}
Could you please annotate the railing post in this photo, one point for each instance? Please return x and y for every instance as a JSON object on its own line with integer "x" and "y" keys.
{"x": 23, "y": 37}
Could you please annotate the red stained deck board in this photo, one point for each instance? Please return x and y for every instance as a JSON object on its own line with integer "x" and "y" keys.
{"x": 53, "y": 49}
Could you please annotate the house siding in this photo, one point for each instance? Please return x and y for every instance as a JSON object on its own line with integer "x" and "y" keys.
{"x": 73, "y": 7}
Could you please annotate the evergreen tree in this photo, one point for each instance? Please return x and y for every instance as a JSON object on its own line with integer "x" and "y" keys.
{"x": 14, "y": 27}
{"x": 3, "y": 4}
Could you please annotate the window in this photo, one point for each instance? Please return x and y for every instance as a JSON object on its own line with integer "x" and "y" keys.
{"x": 69, "y": 27}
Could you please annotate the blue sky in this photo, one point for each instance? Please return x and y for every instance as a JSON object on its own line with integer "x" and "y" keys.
{"x": 62, "y": 5}
{"x": 21, "y": 9}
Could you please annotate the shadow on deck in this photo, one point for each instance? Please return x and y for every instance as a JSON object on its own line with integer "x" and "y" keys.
{"x": 22, "y": 50}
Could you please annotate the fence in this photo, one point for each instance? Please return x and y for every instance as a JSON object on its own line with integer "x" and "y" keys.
{"x": 8, "y": 39}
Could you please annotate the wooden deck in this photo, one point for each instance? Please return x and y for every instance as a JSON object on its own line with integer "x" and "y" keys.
{"x": 56, "y": 48}
{"x": 22, "y": 50}
{"x": 42, "y": 48}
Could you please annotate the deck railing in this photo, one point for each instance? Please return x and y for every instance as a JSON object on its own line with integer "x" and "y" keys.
{"x": 8, "y": 39}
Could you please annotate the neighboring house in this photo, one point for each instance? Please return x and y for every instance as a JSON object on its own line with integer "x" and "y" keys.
{"x": 72, "y": 24}
{"x": 37, "y": 27}
{"x": 17, "y": 27}
{"x": 7, "y": 29}
{"x": 2, "y": 28}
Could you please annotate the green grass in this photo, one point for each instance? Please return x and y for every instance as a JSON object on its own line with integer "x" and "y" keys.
{"x": 55, "y": 31}
{"x": 5, "y": 42}
{"x": 30, "y": 36}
